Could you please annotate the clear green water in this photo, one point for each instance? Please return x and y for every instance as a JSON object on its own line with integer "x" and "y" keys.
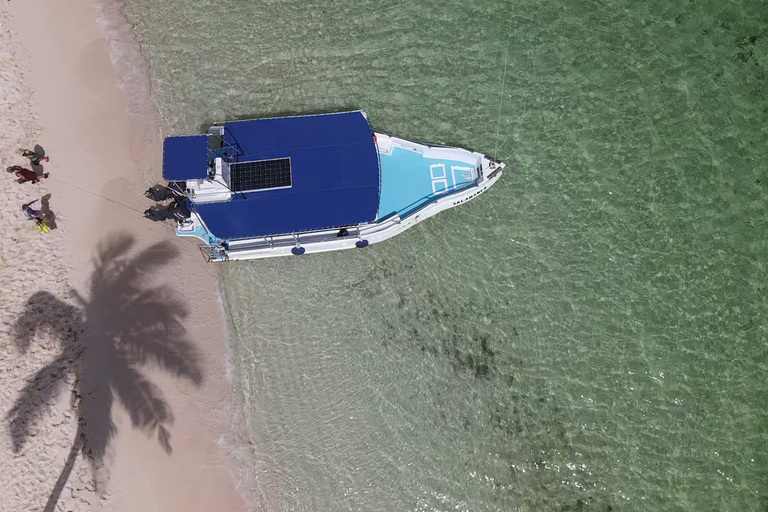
{"x": 591, "y": 334}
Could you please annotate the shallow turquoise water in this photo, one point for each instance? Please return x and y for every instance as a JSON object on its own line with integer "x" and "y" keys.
{"x": 591, "y": 334}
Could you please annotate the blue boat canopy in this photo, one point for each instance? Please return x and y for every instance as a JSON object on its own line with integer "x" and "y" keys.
{"x": 325, "y": 169}
{"x": 185, "y": 157}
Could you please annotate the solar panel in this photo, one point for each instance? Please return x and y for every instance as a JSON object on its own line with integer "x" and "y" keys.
{"x": 260, "y": 175}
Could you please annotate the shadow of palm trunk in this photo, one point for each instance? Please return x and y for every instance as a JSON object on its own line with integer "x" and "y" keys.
{"x": 126, "y": 323}
{"x": 77, "y": 445}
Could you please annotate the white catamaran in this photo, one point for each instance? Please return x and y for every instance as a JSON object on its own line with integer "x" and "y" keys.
{"x": 303, "y": 184}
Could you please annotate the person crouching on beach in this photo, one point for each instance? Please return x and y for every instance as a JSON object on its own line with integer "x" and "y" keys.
{"x": 31, "y": 213}
{"x": 33, "y": 157}
{"x": 36, "y": 215}
{"x": 25, "y": 175}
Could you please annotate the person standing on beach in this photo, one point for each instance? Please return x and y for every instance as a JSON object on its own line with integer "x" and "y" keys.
{"x": 25, "y": 175}
{"x": 33, "y": 157}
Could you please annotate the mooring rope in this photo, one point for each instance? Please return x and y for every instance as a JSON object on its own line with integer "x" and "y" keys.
{"x": 501, "y": 97}
{"x": 97, "y": 195}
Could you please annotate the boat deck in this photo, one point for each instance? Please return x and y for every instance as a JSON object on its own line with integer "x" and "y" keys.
{"x": 410, "y": 178}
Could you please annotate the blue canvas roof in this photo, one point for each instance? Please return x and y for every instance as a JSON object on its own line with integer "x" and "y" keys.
{"x": 185, "y": 157}
{"x": 335, "y": 176}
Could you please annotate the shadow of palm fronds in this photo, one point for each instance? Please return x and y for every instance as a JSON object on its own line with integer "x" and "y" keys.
{"x": 127, "y": 322}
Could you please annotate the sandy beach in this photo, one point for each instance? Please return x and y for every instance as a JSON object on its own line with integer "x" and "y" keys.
{"x": 113, "y": 343}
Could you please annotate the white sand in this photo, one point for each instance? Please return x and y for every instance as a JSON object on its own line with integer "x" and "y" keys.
{"x": 59, "y": 88}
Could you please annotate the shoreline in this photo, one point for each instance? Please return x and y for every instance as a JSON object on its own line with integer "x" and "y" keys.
{"x": 105, "y": 144}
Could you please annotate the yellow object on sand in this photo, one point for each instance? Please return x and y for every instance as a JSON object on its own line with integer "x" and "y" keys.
{"x": 42, "y": 226}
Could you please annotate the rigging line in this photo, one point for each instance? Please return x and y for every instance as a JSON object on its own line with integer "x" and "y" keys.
{"x": 501, "y": 97}
{"x": 97, "y": 195}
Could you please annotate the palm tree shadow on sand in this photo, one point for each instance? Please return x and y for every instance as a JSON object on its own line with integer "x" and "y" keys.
{"x": 128, "y": 322}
